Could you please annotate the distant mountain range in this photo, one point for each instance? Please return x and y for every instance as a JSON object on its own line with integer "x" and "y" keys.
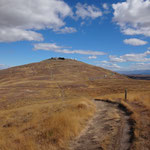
{"x": 135, "y": 72}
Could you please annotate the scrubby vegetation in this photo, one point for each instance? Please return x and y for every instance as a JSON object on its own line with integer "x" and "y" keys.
{"x": 44, "y": 126}
{"x": 44, "y": 105}
{"x": 139, "y": 104}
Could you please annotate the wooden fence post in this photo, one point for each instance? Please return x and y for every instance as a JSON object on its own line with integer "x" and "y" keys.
{"x": 126, "y": 94}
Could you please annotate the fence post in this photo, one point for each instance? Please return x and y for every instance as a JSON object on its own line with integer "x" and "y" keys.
{"x": 125, "y": 94}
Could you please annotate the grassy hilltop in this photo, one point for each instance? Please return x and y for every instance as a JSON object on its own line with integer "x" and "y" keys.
{"x": 43, "y": 105}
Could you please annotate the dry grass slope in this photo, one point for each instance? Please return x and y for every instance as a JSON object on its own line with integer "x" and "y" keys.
{"x": 43, "y": 126}
{"x": 139, "y": 104}
{"x": 44, "y": 105}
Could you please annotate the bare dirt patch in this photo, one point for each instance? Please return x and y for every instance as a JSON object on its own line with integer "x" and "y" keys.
{"x": 108, "y": 130}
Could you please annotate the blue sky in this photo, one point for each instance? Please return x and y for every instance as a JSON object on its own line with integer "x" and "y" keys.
{"x": 110, "y": 34}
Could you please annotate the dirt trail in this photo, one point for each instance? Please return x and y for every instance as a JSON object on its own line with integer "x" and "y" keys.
{"x": 108, "y": 130}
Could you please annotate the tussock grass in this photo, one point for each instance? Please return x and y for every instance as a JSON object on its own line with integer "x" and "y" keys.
{"x": 137, "y": 97}
{"x": 139, "y": 104}
{"x": 44, "y": 105}
{"x": 46, "y": 126}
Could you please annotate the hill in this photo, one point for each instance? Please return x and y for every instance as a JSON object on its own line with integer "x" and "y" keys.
{"x": 49, "y": 79}
{"x": 57, "y": 70}
{"x": 45, "y": 104}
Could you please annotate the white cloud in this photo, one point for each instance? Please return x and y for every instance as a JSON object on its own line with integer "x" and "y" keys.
{"x": 105, "y": 6}
{"x": 2, "y": 66}
{"x": 141, "y": 57}
{"x": 105, "y": 62}
{"x": 116, "y": 59}
{"x": 60, "y": 49}
{"x": 92, "y": 57}
{"x": 65, "y": 30}
{"x": 82, "y": 23}
{"x": 83, "y": 52}
{"x": 87, "y": 11}
{"x": 111, "y": 66}
{"x": 20, "y": 19}
{"x": 140, "y": 66}
{"x": 136, "y": 66}
{"x": 131, "y": 31}
{"x": 130, "y": 67}
{"x": 14, "y": 34}
{"x": 135, "y": 42}
{"x": 133, "y": 16}
{"x": 47, "y": 46}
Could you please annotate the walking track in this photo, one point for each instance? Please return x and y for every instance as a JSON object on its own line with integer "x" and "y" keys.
{"x": 108, "y": 130}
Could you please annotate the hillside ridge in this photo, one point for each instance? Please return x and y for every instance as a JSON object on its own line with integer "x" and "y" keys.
{"x": 61, "y": 69}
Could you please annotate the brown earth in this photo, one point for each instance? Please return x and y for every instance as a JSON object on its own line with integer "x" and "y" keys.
{"x": 107, "y": 130}
{"x": 44, "y": 105}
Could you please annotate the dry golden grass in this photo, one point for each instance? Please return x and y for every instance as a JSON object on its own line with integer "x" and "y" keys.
{"x": 139, "y": 104}
{"x": 44, "y": 126}
{"x": 44, "y": 105}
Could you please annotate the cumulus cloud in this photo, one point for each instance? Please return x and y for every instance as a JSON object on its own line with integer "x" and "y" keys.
{"x": 65, "y": 30}
{"x": 87, "y": 11}
{"x": 136, "y": 66}
{"x": 54, "y": 47}
{"x": 105, "y": 62}
{"x": 14, "y": 34}
{"x": 140, "y": 66}
{"x": 116, "y": 59}
{"x": 105, "y": 6}
{"x": 20, "y": 19}
{"x": 111, "y": 66}
{"x": 47, "y": 46}
{"x": 92, "y": 57}
{"x": 133, "y": 16}
{"x": 139, "y": 31}
{"x": 141, "y": 57}
{"x": 135, "y": 42}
